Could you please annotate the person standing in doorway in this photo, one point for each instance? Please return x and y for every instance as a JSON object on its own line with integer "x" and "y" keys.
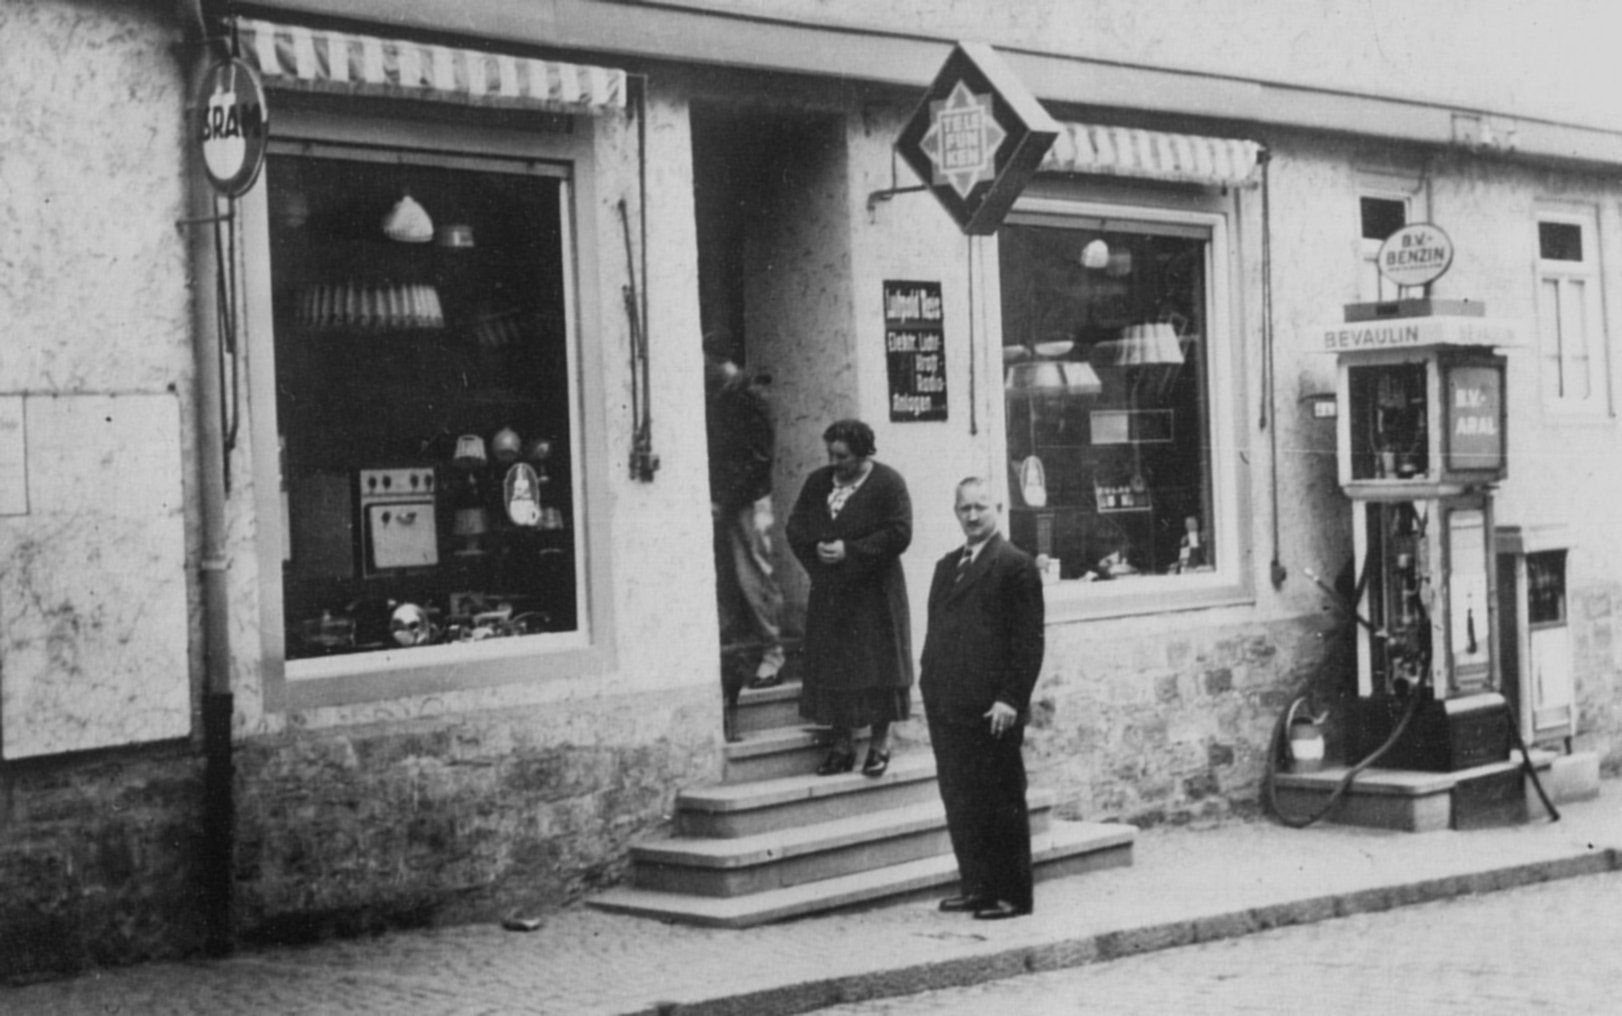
{"x": 982, "y": 652}
{"x": 741, "y": 444}
{"x": 849, "y": 527}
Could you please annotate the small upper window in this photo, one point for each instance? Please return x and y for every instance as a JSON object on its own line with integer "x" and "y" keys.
{"x": 1384, "y": 206}
{"x": 1382, "y": 217}
{"x": 1560, "y": 241}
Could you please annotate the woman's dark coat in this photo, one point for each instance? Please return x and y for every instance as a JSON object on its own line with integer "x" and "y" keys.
{"x": 857, "y": 655}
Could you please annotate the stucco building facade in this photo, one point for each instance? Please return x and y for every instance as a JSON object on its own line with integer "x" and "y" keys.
{"x": 216, "y": 416}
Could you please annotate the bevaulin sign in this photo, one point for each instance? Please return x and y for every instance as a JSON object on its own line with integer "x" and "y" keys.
{"x": 977, "y": 137}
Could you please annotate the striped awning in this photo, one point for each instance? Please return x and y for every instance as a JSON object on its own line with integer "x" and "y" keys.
{"x": 318, "y": 60}
{"x": 1152, "y": 155}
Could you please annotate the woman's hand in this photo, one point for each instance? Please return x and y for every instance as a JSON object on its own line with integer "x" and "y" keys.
{"x": 831, "y": 551}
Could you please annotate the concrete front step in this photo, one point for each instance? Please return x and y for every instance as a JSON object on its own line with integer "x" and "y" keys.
{"x": 1414, "y": 801}
{"x": 787, "y": 857}
{"x": 1066, "y": 848}
{"x": 748, "y": 809}
{"x": 769, "y": 708}
{"x": 784, "y": 751}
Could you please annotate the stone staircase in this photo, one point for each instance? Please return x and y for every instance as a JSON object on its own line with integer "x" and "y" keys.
{"x": 773, "y": 840}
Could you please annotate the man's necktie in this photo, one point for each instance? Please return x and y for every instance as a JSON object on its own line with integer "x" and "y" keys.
{"x": 963, "y": 564}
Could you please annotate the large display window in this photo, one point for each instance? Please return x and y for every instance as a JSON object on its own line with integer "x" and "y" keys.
{"x": 1112, "y": 355}
{"x": 424, "y": 401}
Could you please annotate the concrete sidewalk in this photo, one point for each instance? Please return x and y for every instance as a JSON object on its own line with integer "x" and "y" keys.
{"x": 1184, "y": 886}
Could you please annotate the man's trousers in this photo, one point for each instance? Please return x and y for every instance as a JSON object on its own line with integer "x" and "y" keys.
{"x": 982, "y": 782}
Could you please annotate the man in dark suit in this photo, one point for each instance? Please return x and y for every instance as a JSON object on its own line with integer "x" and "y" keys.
{"x": 982, "y": 654}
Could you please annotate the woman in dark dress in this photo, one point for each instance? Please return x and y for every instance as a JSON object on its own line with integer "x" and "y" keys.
{"x": 849, "y": 527}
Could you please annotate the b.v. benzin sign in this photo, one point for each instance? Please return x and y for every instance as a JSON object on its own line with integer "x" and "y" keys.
{"x": 977, "y": 137}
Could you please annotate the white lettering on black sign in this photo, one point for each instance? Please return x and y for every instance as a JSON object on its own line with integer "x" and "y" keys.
{"x": 915, "y": 350}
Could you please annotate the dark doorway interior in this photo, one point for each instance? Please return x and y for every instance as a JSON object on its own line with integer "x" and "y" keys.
{"x": 750, "y": 181}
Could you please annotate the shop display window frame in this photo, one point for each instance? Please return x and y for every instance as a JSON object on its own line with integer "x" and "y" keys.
{"x": 1230, "y": 581}
{"x": 309, "y": 125}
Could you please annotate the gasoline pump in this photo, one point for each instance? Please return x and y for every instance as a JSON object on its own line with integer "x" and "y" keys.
{"x": 1420, "y": 434}
{"x": 1420, "y": 446}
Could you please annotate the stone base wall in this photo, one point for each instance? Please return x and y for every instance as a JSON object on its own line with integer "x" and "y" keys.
{"x": 1595, "y": 616}
{"x": 1174, "y": 725}
{"x": 340, "y": 831}
{"x": 98, "y": 859}
{"x": 456, "y": 819}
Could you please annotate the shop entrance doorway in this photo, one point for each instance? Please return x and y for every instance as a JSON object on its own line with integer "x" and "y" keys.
{"x": 769, "y": 206}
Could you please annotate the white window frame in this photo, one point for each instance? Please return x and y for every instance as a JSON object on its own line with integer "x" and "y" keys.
{"x": 1558, "y": 349}
{"x": 369, "y": 677}
{"x": 1230, "y": 582}
{"x": 1372, "y": 287}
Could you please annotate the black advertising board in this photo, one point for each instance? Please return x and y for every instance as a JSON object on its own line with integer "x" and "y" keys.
{"x": 915, "y": 350}
{"x": 976, "y": 138}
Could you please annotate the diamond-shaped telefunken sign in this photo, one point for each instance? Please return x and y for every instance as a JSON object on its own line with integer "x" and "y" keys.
{"x": 977, "y": 137}
{"x": 962, "y": 140}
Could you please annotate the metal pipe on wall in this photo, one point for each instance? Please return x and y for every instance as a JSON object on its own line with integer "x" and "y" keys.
{"x": 216, "y": 865}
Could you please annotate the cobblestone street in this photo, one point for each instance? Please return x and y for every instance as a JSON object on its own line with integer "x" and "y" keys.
{"x": 1539, "y": 949}
{"x": 1369, "y": 920}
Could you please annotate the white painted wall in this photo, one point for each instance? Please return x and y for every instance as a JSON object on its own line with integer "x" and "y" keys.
{"x": 1553, "y": 60}
{"x": 96, "y": 613}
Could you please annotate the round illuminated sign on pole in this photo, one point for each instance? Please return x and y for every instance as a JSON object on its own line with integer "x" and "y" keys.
{"x": 1416, "y": 255}
{"x": 232, "y": 126}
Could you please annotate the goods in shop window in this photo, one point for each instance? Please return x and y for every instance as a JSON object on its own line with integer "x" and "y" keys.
{"x": 497, "y": 329}
{"x": 408, "y": 222}
{"x": 351, "y": 306}
{"x": 469, "y": 452}
{"x": 410, "y": 626}
{"x": 420, "y": 332}
{"x": 521, "y": 495}
{"x": 505, "y": 445}
{"x": 455, "y": 236}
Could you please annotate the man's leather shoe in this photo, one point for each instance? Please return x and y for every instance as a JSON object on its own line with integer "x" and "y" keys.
{"x": 964, "y": 904}
{"x": 1000, "y": 910}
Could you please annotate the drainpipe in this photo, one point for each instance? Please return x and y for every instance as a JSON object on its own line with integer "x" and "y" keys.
{"x": 215, "y": 867}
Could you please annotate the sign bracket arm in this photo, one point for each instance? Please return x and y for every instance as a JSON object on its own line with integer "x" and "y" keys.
{"x": 875, "y": 197}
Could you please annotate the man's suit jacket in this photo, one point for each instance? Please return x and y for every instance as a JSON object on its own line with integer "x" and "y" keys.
{"x": 985, "y": 639}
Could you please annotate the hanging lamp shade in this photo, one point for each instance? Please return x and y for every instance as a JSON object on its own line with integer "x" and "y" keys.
{"x": 1081, "y": 379}
{"x": 1052, "y": 377}
{"x": 408, "y": 222}
{"x": 1145, "y": 345}
{"x": 1034, "y": 376}
{"x": 1095, "y": 254}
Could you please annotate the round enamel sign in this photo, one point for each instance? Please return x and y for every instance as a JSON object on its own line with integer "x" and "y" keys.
{"x": 1415, "y": 255}
{"x": 232, "y": 126}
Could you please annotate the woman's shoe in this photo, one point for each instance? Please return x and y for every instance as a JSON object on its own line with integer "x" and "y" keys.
{"x": 838, "y": 761}
{"x": 877, "y": 762}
